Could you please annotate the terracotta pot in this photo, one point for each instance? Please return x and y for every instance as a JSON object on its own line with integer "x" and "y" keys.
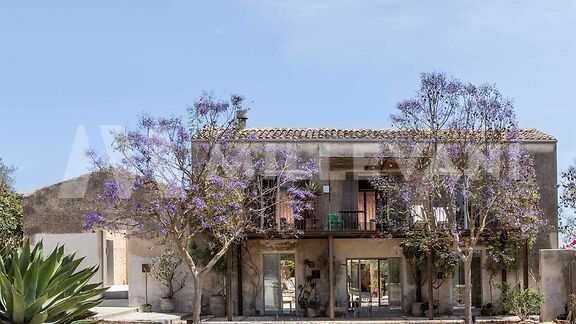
{"x": 417, "y": 310}
{"x": 218, "y": 305}
{"x": 311, "y": 312}
{"x": 166, "y": 305}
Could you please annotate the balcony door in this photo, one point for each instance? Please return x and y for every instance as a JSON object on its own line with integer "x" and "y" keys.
{"x": 371, "y": 206}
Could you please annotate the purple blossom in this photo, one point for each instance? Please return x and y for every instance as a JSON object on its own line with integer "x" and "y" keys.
{"x": 234, "y": 205}
{"x": 92, "y": 220}
{"x": 217, "y": 181}
{"x": 309, "y": 167}
{"x": 237, "y": 184}
{"x": 205, "y": 224}
{"x": 219, "y": 220}
{"x": 147, "y": 121}
{"x": 171, "y": 208}
{"x": 405, "y": 193}
{"x": 198, "y": 203}
{"x": 212, "y": 246}
{"x": 113, "y": 190}
{"x": 219, "y": 209}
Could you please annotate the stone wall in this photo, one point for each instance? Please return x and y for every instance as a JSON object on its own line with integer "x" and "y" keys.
{"x": 554, "y": 282}
{"x": 60, "y": 208}
{"x": 143, "y": 252}
{"x": 55, "y": 214}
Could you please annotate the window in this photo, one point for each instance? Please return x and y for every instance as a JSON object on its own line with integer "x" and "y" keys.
{"x": 276, "y": 206}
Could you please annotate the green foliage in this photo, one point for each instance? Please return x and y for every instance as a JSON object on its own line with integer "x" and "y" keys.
{"x": 313, "y": 188}
{"x": 418, "y": 244}
{"x": 307, "y": 297}
{"x": 521, "y": 303}
{"x": 489, "y": 310}
{"x": 10, "y": 217}
{"x": 6, "y": 174}
{"x": 572, "y": 302}
{"x": 503, "y": 251}
{"x": 35, "y": 290}
{"x": 203, "y": 255}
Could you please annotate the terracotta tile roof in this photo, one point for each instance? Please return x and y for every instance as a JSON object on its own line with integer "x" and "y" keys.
{"x": 319, "y": 134}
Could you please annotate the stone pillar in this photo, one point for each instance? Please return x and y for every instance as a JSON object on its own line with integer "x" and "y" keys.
{"x": 331, "y": 277}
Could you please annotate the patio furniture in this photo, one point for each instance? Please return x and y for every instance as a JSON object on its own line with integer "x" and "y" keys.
{"x": 335, "y": 222}
{"x": 372, "y": 225}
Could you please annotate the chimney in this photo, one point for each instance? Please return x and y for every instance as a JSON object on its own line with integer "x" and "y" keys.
{"x": 241, "y": 118}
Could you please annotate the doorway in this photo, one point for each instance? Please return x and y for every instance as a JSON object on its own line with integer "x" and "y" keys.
{"x": 374, "y": 283}
{"x": 279, "y": 272}
{"x": 458, "y": 282}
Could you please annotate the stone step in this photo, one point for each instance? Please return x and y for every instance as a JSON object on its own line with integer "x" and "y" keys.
{"x": 115, "y": 303}
{"x": 103, "y": 312}
{"x": 117, "y": 292}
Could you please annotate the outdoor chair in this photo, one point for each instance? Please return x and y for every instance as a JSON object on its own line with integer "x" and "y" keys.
{"x": 372, "y": 224}
{"x": 335, "y": 222}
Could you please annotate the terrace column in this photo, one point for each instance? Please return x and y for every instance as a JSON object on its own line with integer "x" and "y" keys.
{"x": 239, "y": 287}
{"x": 331, "y": 277}
{"x": 526, "y": 266}
{"x": 229, "y": 306}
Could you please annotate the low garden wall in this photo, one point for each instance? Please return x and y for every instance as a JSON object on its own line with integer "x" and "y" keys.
{"x": 557, "y": 274}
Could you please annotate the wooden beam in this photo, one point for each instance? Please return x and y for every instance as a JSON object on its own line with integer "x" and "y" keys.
{"x": 229, "y": 306}
{"x": 239, "y": 274}
{"x": 526, "y": 265}
{"x": 331, "y": 301}
{"x": 430, "y": 287}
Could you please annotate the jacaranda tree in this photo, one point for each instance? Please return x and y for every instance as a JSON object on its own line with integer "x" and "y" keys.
{"x": 464, "y": 169}
{"x": 204, "y": 184}
{"x": 568, "y": 201}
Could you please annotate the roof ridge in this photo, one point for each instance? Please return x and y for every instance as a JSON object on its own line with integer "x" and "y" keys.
{"x": 327, "y": 133}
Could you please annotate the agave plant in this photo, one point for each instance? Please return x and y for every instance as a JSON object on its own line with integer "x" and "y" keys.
{"x": 34, "y": 289}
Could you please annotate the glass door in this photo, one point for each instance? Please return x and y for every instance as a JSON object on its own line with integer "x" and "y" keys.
{"x": 279, "y": 283}
{"x": 394, "y": 284}
{"x": 375, "y": 283}
{"x": 458, "y": 282}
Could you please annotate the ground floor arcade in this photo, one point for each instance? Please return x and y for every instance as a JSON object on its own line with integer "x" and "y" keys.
{"x": 280, "y": 277}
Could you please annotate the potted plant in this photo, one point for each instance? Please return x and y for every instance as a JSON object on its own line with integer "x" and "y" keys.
{"x": 307, "y": 299}
{"x": 146, "y": 308}
{"x": 415, "y": 249}
{"x": 165, "y": 269}
{"x": 312, "y": 307}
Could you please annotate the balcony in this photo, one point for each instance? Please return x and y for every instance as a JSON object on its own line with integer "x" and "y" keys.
{"x": 342, "y": 222}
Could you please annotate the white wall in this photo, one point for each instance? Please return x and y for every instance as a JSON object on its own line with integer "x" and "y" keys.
{"x": 88, "y": 245}
{"x": 142, "y": 252}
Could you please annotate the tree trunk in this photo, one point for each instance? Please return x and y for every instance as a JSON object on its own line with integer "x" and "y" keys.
{"x": 418, "y": 284}
{"x": 468, "y": 290}
{"x": 197, "y": 306}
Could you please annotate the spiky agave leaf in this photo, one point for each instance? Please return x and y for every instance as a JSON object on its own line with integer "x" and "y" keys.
{"x": 35, "y": 290}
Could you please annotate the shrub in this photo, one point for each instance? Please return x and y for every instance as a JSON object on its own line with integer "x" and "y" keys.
{"x": 489, "y": 310}
{"x": 165, "y": 269}
{"x": 35, "y": 290}
{"x": 521, "y": 303}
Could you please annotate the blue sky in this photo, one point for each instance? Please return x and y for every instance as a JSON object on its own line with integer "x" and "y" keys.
{"x": 69, "y": 70}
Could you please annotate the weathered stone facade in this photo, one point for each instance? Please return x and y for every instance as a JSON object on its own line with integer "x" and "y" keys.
{"x": 344, "y": 157}
{"x": 55, "y": 215}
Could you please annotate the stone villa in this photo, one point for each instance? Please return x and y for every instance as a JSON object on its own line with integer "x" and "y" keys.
{"x": 369, "y": 274}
